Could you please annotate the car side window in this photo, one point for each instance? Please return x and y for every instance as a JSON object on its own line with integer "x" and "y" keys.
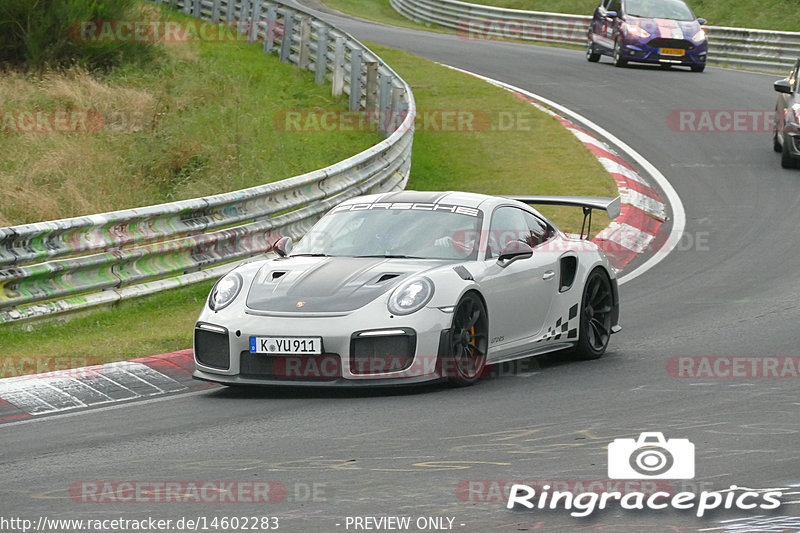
{"x": 540, "y": 231}
{"x": 508, "y": 224}
{"x": 615, "y": 5}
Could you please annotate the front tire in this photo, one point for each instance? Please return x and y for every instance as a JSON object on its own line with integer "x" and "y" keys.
{"x": 775, "y": 144}
{"x": 469, "y": 341}
{"x": 619, "y": 61}
{"x": 698, "y": 68}
{"x": 787, "y": 161}
{"x": 597, "y": 306}
{"x": 592, "y": 56}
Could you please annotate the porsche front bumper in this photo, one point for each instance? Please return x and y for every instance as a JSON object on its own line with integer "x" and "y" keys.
{"x": 357, "y": 349}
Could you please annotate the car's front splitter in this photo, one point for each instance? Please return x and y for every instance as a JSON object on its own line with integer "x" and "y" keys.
{"x": 340, "y": 382}
{"x": 649, "y": 55}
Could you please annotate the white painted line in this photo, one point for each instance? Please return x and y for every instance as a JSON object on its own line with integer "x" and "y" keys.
{"x": 615, "y": 168}
{"x": 51, "y": 394}
{"x": 626, "y": 236}
{"x": 643, "y": 202}
{"x": 118, "y": 405}
{"x": 585, "y": 138}
{"x": 28, "y": 402}
{"x": 678, "y": 212}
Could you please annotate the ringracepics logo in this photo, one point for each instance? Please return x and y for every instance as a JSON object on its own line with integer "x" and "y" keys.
{"x": 651, "y": 456}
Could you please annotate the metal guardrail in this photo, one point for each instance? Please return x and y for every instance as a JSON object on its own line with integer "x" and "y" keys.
{"x": 768, "y": 51}
{"x": 63, "y": 265}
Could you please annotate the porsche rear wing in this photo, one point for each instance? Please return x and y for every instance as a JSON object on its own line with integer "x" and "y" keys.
{"x": 611, "y": 206}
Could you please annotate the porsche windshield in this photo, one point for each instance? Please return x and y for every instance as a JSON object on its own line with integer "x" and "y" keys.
{"x": 659, "y": 9}
{"x": 424, "y": 234}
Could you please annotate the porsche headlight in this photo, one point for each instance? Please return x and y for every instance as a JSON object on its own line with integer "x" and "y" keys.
{"x": 225, "y": 291}
{"x": 637, "y": 31}
{"x": 700, "y": 36}
{"x": 411, "y": 296}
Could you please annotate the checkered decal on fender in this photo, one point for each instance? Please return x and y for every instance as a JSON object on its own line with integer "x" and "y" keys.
{"x": 562, "y": 327}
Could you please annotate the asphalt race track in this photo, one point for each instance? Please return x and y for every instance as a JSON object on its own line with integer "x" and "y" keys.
{"x": 730, "y": 289}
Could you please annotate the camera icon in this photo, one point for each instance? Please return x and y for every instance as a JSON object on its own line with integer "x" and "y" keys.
{"x": 651, "y": 456}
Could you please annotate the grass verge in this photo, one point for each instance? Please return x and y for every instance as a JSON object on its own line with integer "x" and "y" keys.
{"x": 381, "y": 11}
{"x": 780, "y": 15}
{"x": 502, "y": 146}
{"x": 199, "y": 120}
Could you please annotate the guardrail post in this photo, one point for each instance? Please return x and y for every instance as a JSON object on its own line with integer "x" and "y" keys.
{"x": 187, "y": 7}
{"x": 272, "y": 23}
{"x": 230, "y": 9}
{"x": 254, "y": 21}
{"x": 399, "y": 108}
{"x": 384, "y": 103}
{"x": 244, "y": 16}
{"x": 305, "y": 43}
{"x": 321, "y": 67}
{"x": 286, "y": 40}
{"x": 372, "y": 86}
{"x": 215, "y": 11}
{"x": 338, "y": 67}
{"x": 355, "y": 79}
{"x": 196, "y": 8}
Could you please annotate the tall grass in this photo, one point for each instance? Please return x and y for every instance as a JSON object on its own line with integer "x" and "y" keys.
{"x": 197, "y": 120}
{"x": 38, "y": 34}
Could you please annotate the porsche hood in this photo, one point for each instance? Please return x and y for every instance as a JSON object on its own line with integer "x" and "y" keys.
{"x": 328, "y": 284}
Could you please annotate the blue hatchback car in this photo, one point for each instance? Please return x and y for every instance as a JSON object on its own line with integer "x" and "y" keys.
{"x": 658, "y": 32}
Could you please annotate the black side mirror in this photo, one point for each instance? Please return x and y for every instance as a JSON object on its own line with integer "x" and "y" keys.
{"x": 514, "y": 250}
{"x": 612, "y": 14}
{"x": 783, "y": 86}
{"x": 702, "y": 22}
{"x": 283, "y": 246}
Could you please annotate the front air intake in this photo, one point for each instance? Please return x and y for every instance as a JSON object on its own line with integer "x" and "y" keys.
{"x": 372, "y": 352}
{"x": 211, "y": 347}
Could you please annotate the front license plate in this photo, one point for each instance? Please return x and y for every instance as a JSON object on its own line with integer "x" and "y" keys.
{"x": 672, "y": 52}
{"x": 286, "y": 345}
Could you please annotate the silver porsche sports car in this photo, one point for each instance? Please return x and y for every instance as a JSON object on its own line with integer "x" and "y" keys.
{"x": 408, "y": 287}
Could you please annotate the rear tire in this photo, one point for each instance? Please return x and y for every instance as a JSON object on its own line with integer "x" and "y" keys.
{"x": 595, "y": 314}
{"x": 469, "y": 341}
